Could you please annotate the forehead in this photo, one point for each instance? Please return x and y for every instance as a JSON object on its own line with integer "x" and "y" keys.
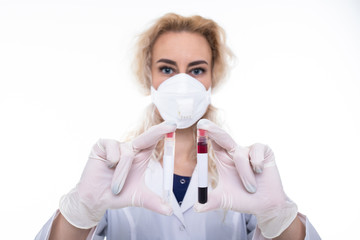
{"x": 181, "y": 45}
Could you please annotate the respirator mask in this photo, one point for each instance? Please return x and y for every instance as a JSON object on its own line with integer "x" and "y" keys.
{"x": 181, "y": 99}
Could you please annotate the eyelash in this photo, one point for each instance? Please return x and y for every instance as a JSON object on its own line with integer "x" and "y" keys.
{"x": 199, "y": 68}
{"x": 162, "y": 68}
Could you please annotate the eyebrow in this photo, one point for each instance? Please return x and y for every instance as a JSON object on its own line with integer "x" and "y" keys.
{"x": 197, "y": 63}
{"x": 168, "y": 61}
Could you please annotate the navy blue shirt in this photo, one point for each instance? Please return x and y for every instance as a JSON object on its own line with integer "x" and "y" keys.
{"x": 180, "y": 185}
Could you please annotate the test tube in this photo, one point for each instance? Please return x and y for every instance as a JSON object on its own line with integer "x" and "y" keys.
{"x": 202, "y": 162}
{"x": 168, "y": 165}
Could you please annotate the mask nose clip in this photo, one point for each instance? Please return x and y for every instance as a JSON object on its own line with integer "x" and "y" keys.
{"x": 185, "y": 108}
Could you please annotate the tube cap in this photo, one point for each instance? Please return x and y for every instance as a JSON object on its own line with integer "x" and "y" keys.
{"x": 201, "y": 132}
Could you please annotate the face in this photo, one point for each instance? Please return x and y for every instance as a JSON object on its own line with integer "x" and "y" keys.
{"x": 181, "y": 52}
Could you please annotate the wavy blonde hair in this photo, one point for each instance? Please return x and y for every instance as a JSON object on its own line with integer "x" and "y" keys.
{"x": 221, "y": 55}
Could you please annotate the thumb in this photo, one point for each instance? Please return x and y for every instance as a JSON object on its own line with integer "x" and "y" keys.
{"x": 150, "y": 137}
{"x": 214, "y": 202}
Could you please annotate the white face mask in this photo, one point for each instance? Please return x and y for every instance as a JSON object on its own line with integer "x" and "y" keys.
{"x": 181, "y": 99}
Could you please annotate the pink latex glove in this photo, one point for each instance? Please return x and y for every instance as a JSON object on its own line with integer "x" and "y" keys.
{"x": 249, "y": 182}
{"x": 114, "y": 178}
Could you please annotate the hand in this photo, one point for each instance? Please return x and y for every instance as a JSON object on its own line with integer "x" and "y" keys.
{"x": 249, "y": 182}
{"x": 114, "y": 178}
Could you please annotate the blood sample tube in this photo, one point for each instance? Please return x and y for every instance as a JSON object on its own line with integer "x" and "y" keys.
{"x": 202, "y": 162}
{"x": 168, "y": 165}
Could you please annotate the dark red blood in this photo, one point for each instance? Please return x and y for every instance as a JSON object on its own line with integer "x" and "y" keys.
{"x": 202, "y": 147}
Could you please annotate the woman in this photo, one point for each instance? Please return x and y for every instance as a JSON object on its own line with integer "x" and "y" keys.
{"x": 118, "y": 195}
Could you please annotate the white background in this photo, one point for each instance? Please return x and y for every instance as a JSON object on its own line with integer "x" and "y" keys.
{"x": 65, "y": 81}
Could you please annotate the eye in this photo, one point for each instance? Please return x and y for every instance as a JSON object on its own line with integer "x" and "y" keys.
{"x": 166, "y": 70}
{"x": 197, "y": 71}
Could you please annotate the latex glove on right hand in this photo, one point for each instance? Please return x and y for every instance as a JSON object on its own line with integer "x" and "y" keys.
{"x": 114, "y": 178}
{"x": 249, "y": 182}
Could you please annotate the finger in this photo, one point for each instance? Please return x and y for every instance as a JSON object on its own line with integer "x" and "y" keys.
{"x": 269, "y": 157}
{"x": 257, "y": 157}
{"x": 112, "y": 149}
{"x": 106, "y": 150}
{"x": 153, "y": 202}
{"x": 243, "y": 167}
{"x": 153, "y": 135}
{"x": 123, "y": 167}
{"x": 217, "y": 134}
{"x": 214, "y": 202}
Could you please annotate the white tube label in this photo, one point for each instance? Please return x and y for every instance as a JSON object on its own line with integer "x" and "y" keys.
{"x": 202, "y": 162}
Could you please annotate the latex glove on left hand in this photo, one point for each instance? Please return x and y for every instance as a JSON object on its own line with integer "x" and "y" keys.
{"x": 249, "y": 182}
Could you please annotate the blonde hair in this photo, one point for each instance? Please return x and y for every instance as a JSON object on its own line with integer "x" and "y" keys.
{"x": 221, "y": 55}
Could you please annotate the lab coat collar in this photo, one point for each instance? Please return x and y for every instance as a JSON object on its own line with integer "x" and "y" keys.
{"x": 154, "y": 180}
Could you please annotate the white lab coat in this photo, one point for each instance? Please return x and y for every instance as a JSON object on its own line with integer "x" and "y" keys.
{"x": 140, "y": 224}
